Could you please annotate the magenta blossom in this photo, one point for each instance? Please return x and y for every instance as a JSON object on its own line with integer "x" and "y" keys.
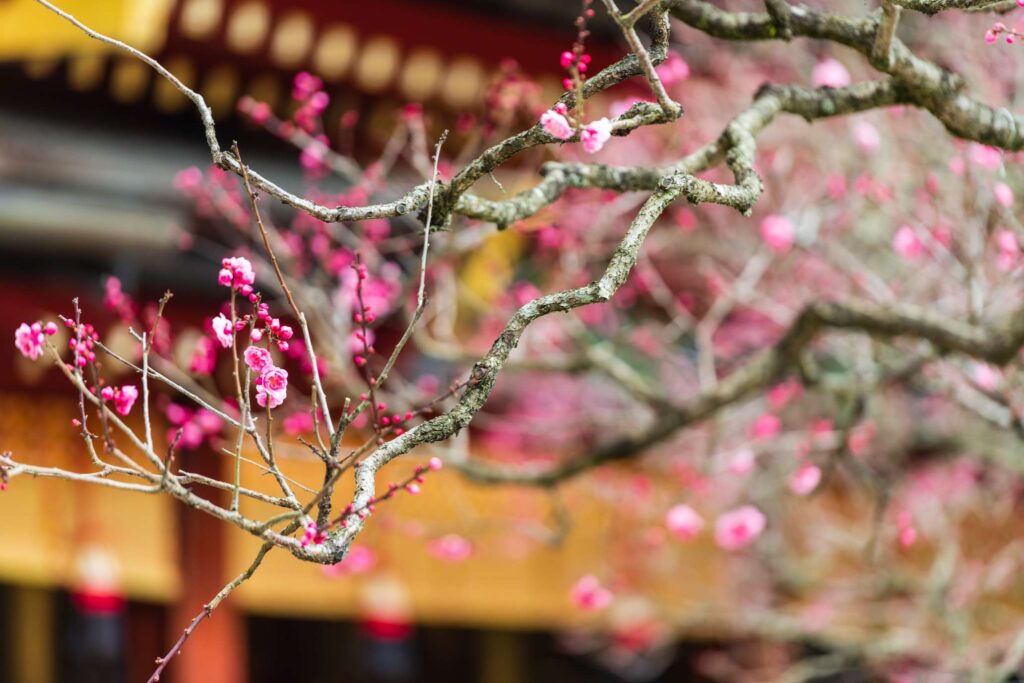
{"x": 237, "y": 272}
{"x": 298, "y": 423}
{"x": 204, "y": 357}
{"x": 589, "y": 594}
{"x": 738, "y": 528}
{"x": 312, "y": 534}
{"x": 766, "y": 426}
{"x": 124, "y": 399}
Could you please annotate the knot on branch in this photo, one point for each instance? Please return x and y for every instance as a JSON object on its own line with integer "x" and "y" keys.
{"x": 682, "y": 181}
{"x": 660, "y": 35}
{"x": 441, "y": 212}
{"x": 643, "y": 113}
{"x": 779, "y": 12}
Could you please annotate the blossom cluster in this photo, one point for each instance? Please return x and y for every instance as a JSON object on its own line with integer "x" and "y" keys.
{"x": 29, "y": 338}
{"x": 576, "y": 61}
{"x": 410, "y": 486}
{"x": 733, "y": 530}
{"x": 271, "y": 381}
{"x": 312, "y": 534}
{"x": 116, "y": 301}
{"x": 237, "y": 273}
{"x": 194, "y": 426}
{"x": 307, "y": 89}
{"x": 999, "y": 28}
{"x": 124, "y": 397}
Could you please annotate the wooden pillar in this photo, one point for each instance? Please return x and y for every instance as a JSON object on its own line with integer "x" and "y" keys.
{"x": 146, "y": 638}
{"x": 216, "y": 652}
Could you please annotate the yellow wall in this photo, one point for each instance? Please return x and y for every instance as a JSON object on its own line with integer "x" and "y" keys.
{"x": 514, "y": 577}
{"x": 519, "y": 574}
{"x": 48, "y": 523}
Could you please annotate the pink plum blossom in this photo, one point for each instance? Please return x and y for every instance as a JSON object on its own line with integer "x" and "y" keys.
{"x": 742, "y": 462}
{"x": 1003, "y": 195}
{"x": 258, "y": 359}
{"x": 1009, "y": 250}
{"x": 985, "y": 156}
{"x": 595, "y": 134}
{"x": 907, "y": 531}
{"x": 778, "y": 233}
{"x": 554, "y": 122}
{"x": 781, "y": 394}
{"x": 312, "y": 156}
{"x": 380, "y": 291}
{"x": 738, "y": 528}
{"x": 298, "y": 423}
{"x": 451, "y": 548}
{"x": 359, "y": 560}
{"x": 683, "y": 521}
{"x": 673, "y": 70}
{"x": 805, "y": 479}
{"x": 860, "y": 438}
{"x": 766, "y": 426}
{"x": 907, "y": 244}
{"x": 224, "y": 330}
{"x": 620, "y": 107}
{"x": 204, "y": 357}
{"x": 588, "y": 594}
{"x": 866, "y": 137}
{"x": 272, "y": 387}
{"x": 116, "y": 301}
{"x": 986, "y": 376}
{"x": 208, "y": 421}
{"x": 831, "y": 73}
